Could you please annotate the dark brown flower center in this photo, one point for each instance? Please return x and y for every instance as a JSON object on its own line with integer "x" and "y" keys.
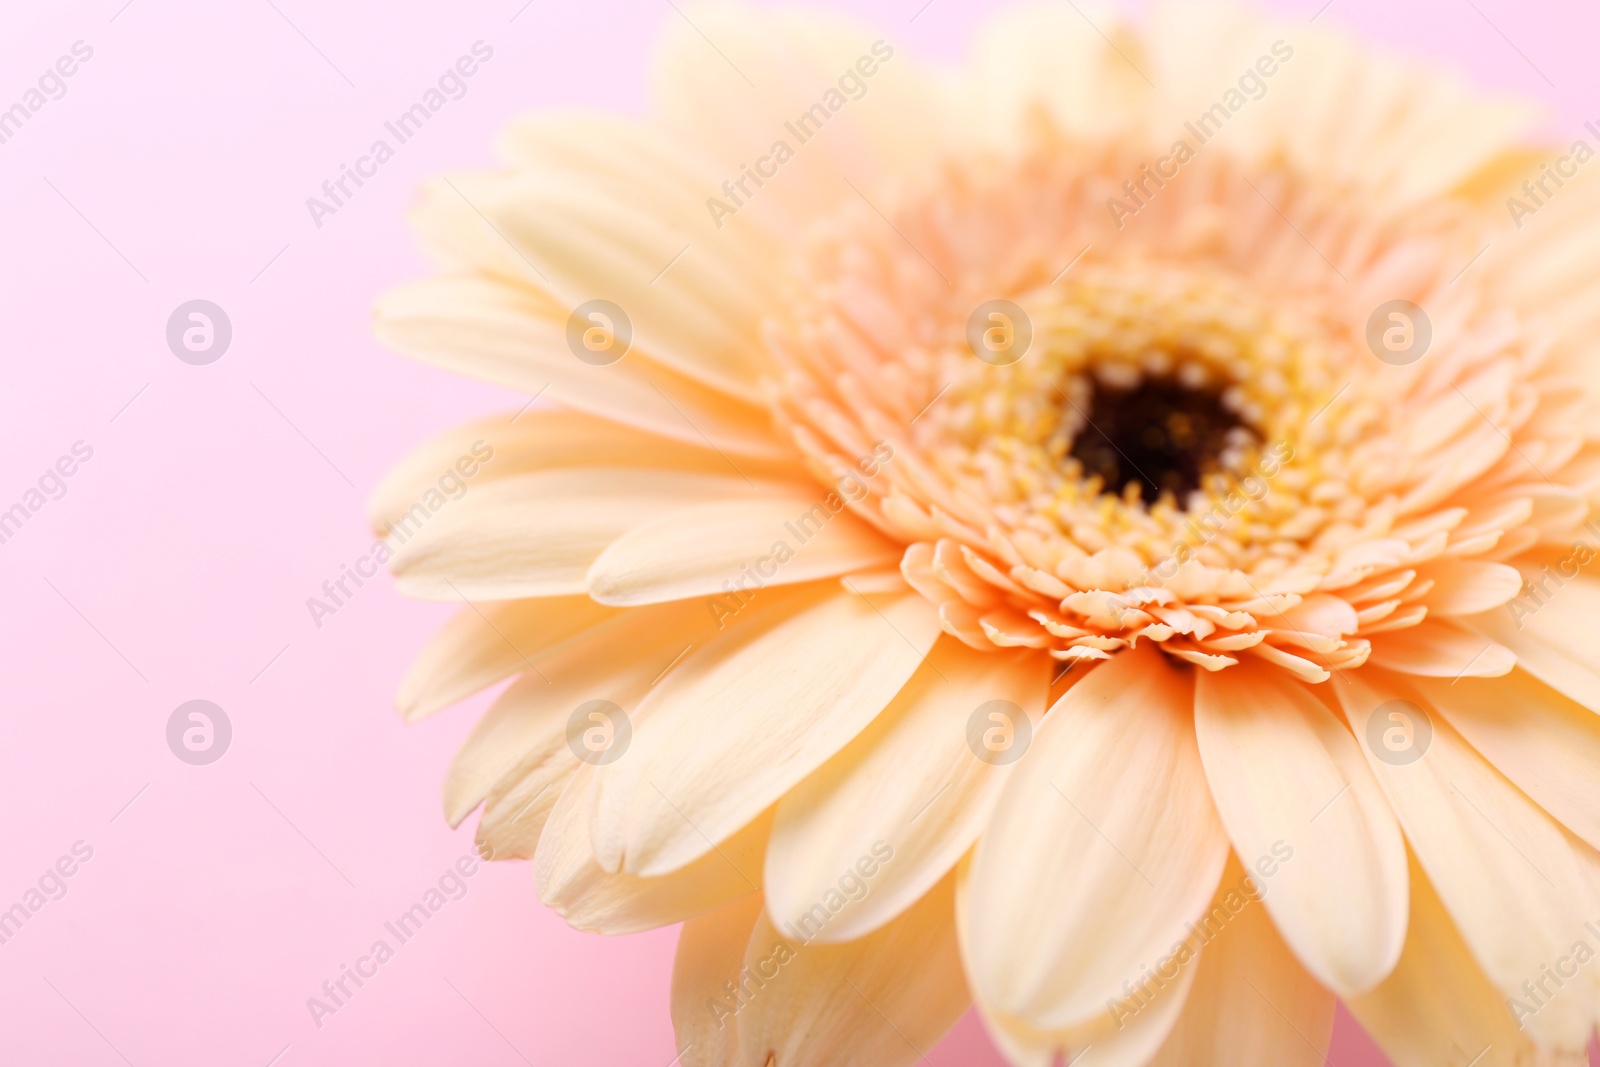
{"x": 1159, "y": 435}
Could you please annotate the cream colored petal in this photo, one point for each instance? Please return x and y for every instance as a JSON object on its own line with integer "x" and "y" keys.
{"x": 644, "y": 163}
{"x": 739, "y": 80}
{"x": 1306, "y": 815}
{"x": 1467, "y": 587}
{"x": 1057, "y": 58}
{"x": 1131, "y": 1028}
{"x": 1021, "y": 1045}
{"x": 482, "y": 645}
{"x": 1252, "y": 1004}
{"x": 1436, "y": 648}
{"x": 1125, "y": 1034}
{"x": 508, "y": 334}
{"x": 1551, "y": 628}
{"x": 1549, "y": 271}
{"x": 1545, "y": 743}
{"x": 721, "y": 548}
{"x": 572, "y": 884}
{"x": 743, "y": 719}
{"x": 537, "y": 535}
{"x": 710, "y": 955}
{"x": 1509, "y": 876}
{"x": 1331, "y": 107}
{"x": 525, "y": 731}
{"x": 449, "y": 464}
{"x": 540, "y": 438}
{"x": 691, "y": 306}
{"x": 521, "y": 737}
{"x": 1437, "y": 1008}
{"x": 911, "y": 784}
{"x": 1103, "y": 846}
{"x": 519, "y": 804}
{"x": 882, "y": 1001}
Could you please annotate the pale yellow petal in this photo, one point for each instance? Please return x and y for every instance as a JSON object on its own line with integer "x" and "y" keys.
{"x": 911, "y": 785}
{"x": 525, "y": 731}
{"x": 1309, "y": 821}
{"x": 710, "y": 956}
{"x": 1103, "y": 846}
{"x": 727, "y": 549}
{"x": 482, "y": 645}
{"x": 1467, "y": 587}
{"x": 572, "y": 884}
{"x": 1551, "y": 628}
{"x": 882, "y": 1001}
{"x": 1436, "y": 648}
{"x": 539, "y": 438}
{"x": 508, "y": 334}
{"x": 1437, "y": 1008}
{"x": 537, "y": 535}
{"x": 691, "y": 306}
{"x": 1545, "y": 743}
{"x": 1509, "y": 876}
{"x": 744, "y": 718}
{"x": 851, "y": 105}
{"x": 1125, "y": 1034}
{"x": 1252, "y": 1004}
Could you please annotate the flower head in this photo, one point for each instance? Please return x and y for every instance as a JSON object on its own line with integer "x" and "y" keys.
{"x": 1104, "y": 535}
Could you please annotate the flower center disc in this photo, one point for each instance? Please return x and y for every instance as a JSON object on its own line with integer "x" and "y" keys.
{"x": 1157, "y": 434}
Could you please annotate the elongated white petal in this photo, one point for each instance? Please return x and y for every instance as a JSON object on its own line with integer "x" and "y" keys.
{"x": 771, "y": 69}
{"x": 1510, "y": 877}
{"x": 1104, "y": 845}
{"x": 525, "y": 731}
{"x": 589, "y": 898}
{"x": 1126, "y": 1034}
{"x": 1550, "y": 628}
{"x": 1437, "y": 1007}
{"x": 882, "y": 1001}
{"x": 911, "y": 784}
{"x": 1545, "y": 743}
{"x": 743, "y": 719}
{"x": 710, "y": 955}
{"x": 540, "y": 438}
{"x": 577, "y": 241}
{"x": 1307, "y": 817}
{"x": 519, "y": 804}
{"x": 1252, "y": 1004}
{"x": 505, "y": 333}
{"x": 1435, "y": 648}
{"x": 537, "y": 534}
{"x": 727, "y": 548}
{"x": 1468, "y": 587}
{"x": 483, "y": 644}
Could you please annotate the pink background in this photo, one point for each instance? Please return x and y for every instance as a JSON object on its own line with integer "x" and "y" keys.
{"x": 183, "y": 553}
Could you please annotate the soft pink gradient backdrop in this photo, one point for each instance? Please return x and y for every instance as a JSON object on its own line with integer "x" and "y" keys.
{"x": 184, "y": 551}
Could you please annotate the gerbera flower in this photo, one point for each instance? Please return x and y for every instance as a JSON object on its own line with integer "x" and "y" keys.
{"x": 1101, "y": 537}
